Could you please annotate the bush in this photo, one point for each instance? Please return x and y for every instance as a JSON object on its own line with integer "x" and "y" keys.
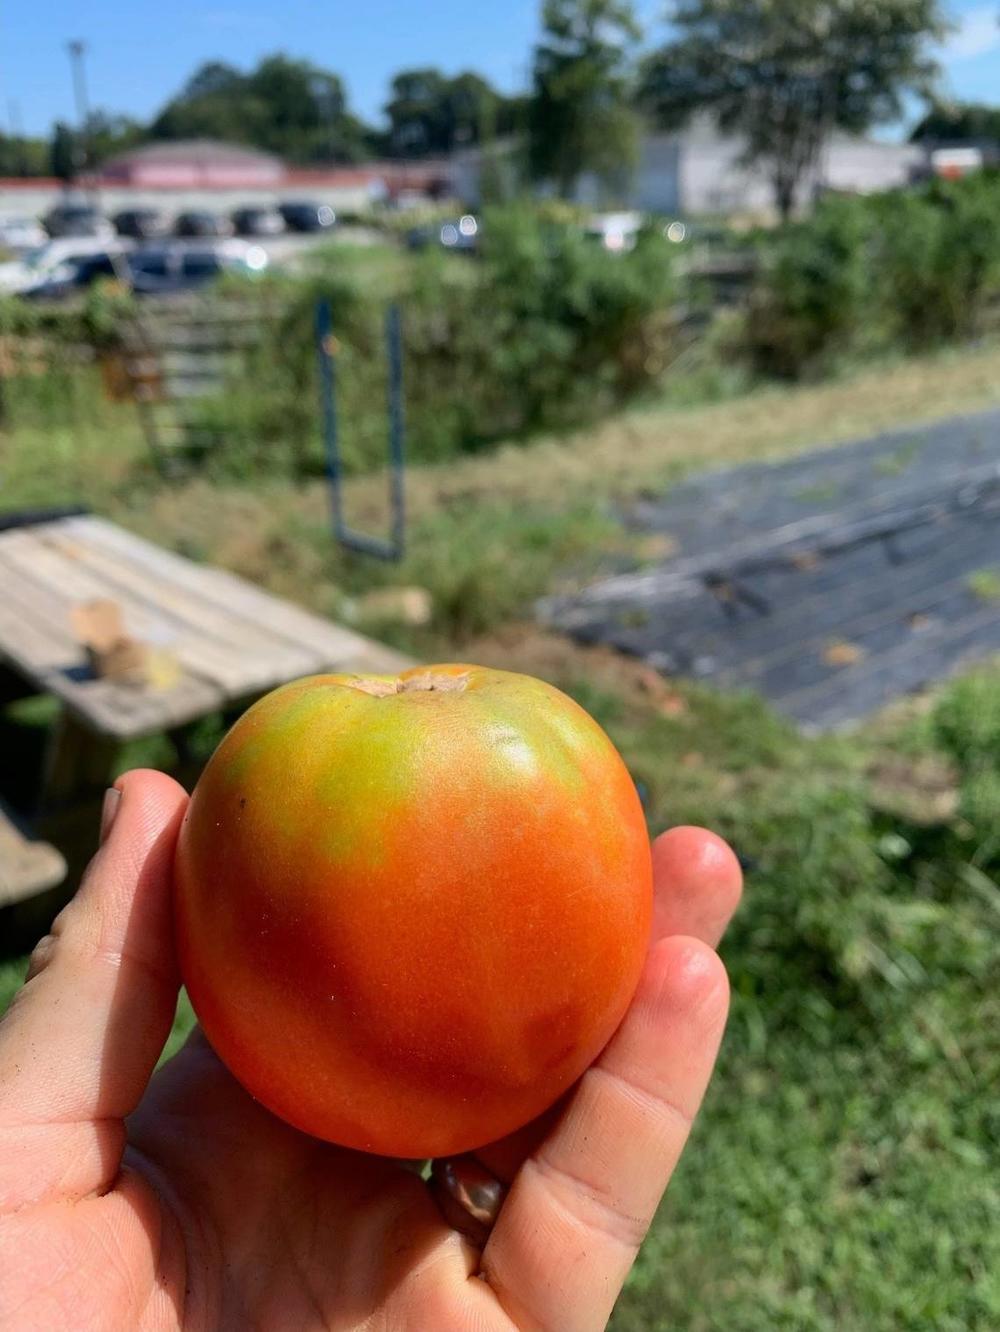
{"x": 813, "y": 297}
{"x": 938, "y": 259}
{"x": 966, "y": 725}
{"x": 47, "y": 362}
{"x": 543, "y": 329}
{"x": 908, "y": 268}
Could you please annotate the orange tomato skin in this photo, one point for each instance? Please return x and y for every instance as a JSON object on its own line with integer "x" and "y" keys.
{"x": 409, "y": 919}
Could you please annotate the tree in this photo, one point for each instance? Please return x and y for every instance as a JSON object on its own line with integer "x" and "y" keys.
{"x": 21, "y": 156}
{"x": 63, "y": 154}
{"x": 959, "y": 121}
{"x": 212, "y": 79}
{"x": 783, "y": 73}
{"x": 430, "y": 114}
{"x": 107, "y": 134}
{"x": 469, "y": 105}
{"x": 209, "y": 109}
{"x": 413, "y": 110}
{"x": 290, "y": 107}
{"x": 579, "y": 116}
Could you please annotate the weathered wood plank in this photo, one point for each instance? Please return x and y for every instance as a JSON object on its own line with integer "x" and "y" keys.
{"x": 229, "y": 650}
{"x": 126, "y": 711}
{"x": 231, "y": 640}
{"x": 32, "y": 641}
{"x": 336, "y": 648}
{"x": 196, "y": 337}
{"x": 35, "y": 638}
{"x": 62, "y": 583}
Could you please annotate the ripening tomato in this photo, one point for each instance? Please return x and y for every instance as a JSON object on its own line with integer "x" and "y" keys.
{"x": 412, "y": 910}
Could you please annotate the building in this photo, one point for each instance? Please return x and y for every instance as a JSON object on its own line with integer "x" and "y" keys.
{"x": 697, "y": 170}
{"x": 193, "y": 164}
{"x": 219, "y": 177}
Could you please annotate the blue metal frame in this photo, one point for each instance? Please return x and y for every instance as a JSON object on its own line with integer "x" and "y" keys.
{"x": 363, "y": 542}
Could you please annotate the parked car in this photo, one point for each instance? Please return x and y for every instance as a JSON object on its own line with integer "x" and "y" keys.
{"x": 18, "y": 234}
{"x": 460, "y": 235}
{"x": 616, "y": 232}
{"x": 202, "y": 224}
{"x": 141, "y": 223}
{"x": 38, "y": 265}
{"x": 77, "y": 273}
{"x": 259, "y": 221}
{"x": 301, "y": 215}
{"x": 78, "y": 219}
{"x": 164, "y": 270}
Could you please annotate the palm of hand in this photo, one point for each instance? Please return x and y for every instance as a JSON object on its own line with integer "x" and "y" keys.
{"x": 276, "y": 1230}
{"x": 205, "y": 1212}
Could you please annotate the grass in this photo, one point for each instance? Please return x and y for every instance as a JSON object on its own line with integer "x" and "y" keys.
{"x": 844, "y": 1172}
{"x": 487, "y": 533}
{"x": 11, "y": 979}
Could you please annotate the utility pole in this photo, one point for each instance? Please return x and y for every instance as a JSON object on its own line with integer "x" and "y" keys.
{"x": 18, "y": 147}
{"x": 323, "y": 96}
{"x": 77, "y": 51}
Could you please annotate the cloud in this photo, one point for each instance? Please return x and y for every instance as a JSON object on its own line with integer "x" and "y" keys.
{"x": 976, "y": 33}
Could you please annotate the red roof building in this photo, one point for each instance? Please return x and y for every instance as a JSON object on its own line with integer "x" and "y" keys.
{"x": 194, "y": 164}
{"x": 204, "y": 164}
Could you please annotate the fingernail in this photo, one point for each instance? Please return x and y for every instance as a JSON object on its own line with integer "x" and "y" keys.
{"x": 109, "y": 811}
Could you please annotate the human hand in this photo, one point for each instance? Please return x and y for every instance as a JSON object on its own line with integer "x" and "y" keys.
{"x": 177, "y": 1202}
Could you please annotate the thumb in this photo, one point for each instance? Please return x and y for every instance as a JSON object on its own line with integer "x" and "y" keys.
{"x": 82, "y": 1037}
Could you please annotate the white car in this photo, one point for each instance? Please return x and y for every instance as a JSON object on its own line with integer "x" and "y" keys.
{"x": 40, "y": 264}
{"x": 617, "y": 232}
{"x": 18, "y": 234}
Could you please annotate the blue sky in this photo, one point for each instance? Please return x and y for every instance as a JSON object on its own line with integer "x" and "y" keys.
{"x": 136, "y": 60}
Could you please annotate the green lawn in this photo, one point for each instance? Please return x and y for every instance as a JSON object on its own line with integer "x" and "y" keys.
{"x": 844, "y": 1174}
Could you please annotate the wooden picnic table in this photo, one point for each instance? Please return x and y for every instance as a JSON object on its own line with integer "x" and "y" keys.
{"x": 228, "y": 641}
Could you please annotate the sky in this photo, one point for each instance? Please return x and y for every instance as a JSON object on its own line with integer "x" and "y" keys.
{"x": 136, "y": 61}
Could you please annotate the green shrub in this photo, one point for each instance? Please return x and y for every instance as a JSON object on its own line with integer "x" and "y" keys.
{"x": 907, "y": 268}
{"x": 813, "y": 297}
{"x": 542, "y": 329}
{"x": 937, "y": 261}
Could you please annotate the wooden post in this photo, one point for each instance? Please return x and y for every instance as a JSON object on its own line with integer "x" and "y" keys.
{"x": 78, "y": 764}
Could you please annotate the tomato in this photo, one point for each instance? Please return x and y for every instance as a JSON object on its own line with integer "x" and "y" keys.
{"x": 411, "y": 911}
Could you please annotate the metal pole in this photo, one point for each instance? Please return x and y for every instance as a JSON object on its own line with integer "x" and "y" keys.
{"x": 328, "y": 401}
{"x": 326, "y": 354}
{"x": 394, "y": 349}
{"x": 18, "y": 146}
{"x": 77, "y": 51}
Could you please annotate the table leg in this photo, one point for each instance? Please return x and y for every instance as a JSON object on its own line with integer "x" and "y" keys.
{"x": 13, "y": 687}
{"x": 78, "y": 764}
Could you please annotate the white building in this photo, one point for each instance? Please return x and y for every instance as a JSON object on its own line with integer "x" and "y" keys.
{"x": 698, "y": 171}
